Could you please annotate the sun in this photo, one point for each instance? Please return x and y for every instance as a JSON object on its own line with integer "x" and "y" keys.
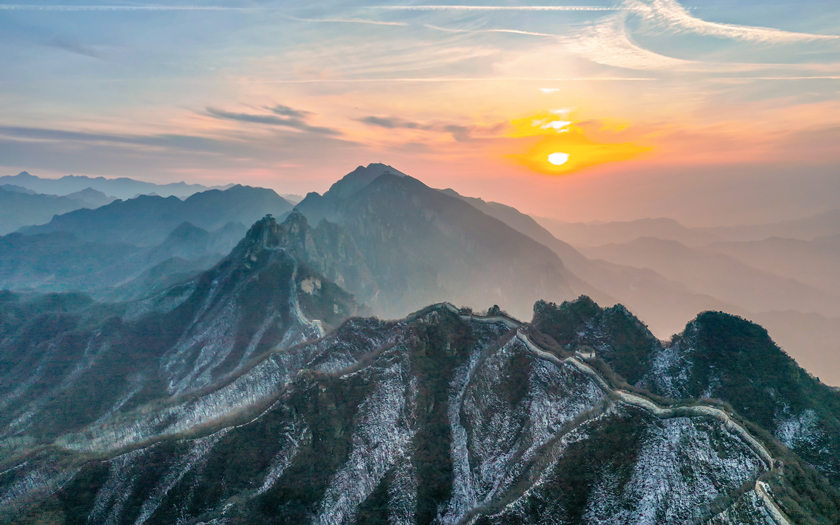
{"x": 558, "y": 158}
{"x": 555, "y": 144}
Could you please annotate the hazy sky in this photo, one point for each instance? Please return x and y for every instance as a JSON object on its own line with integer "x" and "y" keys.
{"x": 709, "y": 112}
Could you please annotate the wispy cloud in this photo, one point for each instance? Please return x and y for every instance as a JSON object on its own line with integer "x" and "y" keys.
{"x": 447, "y": 80}
{"x": 179, "y": 141}
{"x": 608, "y": 43}
{"x": 282, "y": 116}
{"x": 287, "y": 111}
{"x": 673, "y": 16}
{"x": 72, "y": 45}
{"x": 459, "y": 132}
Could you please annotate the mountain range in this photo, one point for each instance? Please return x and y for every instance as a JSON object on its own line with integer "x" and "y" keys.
{"x": 405, "y": 245}
{"x": 253, "y": 393}
{"x": 312, "y": 368}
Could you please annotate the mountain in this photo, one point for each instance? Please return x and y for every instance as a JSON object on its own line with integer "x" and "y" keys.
{"x": 717, "y": 356}
{"x": 584, "y": 234}
{"x": 293, "y": 198}
{"x": 720, "y": 275}
{"x": 21, "y": 207}
{"x": 813, "y": 261}
{"x": 421, "y": 246}
{"x": 810, "y": 338}
{"x": 122, "y": 187}
{"x": 823, "y": 224}
{"x": 444, "y": 417}
{"x": 90, "y": 198}
{"x": 16, "y": 189}
{"x": 147, "y": 220}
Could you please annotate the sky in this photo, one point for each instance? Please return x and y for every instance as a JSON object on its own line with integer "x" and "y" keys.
{"x": 712, "y": 112}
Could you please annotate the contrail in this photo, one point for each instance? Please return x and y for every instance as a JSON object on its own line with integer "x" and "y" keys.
{"x": 118, "y": 7}
{"x": 580, "y": 8}
{"x": 160, "y": 7}
{"x": 218, "y": 8}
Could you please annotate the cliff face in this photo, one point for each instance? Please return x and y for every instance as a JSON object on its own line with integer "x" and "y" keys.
{"x": 440, "y": 417}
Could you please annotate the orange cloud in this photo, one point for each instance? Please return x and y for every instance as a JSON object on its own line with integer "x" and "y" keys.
{"x": 556, "y": 145}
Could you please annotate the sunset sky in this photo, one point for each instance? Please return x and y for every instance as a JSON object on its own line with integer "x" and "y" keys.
{"x": 708, "y": 112}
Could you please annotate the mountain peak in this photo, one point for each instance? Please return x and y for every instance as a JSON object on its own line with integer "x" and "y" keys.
{"x": 263, "y": 233}
{"x": 359, "y": 178}
{"x": 269, "y": 234}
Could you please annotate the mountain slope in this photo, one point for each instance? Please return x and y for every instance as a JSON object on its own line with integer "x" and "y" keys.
{"x": 422, "y": 246}
{"x": 441, "y": 417}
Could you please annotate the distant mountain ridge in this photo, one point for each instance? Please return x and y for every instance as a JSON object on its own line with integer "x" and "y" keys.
{"x": 583, "y": 234}
{"x": 146, "y": 220}
{"x": 720, "y": 275}
{"x": 122, "y": 187}
{"x": 22, "y": 207}
{"x": 128, "y": 249}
